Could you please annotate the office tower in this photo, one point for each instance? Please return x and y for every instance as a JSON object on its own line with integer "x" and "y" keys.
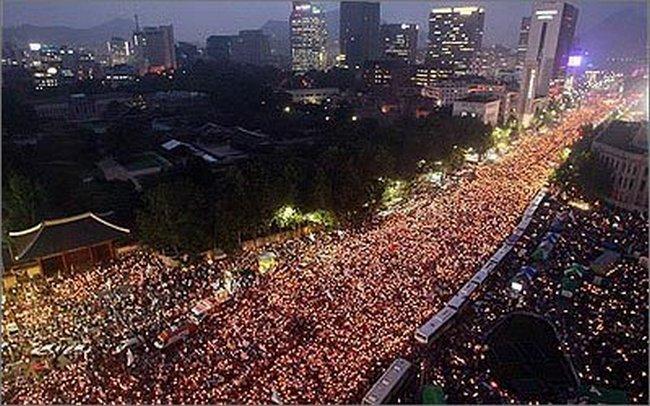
{"x": 251, "y": 46}
{"x": 400, "y": 41}
{"x": 552, "y": 28}
{"x": 220, "y": 46}
{"x": 186, "y": 54}
{"x": 308, "y": 37}
{"x": 494, "y": 61}
{"x": 119, "y": 51}
{"x": 522, "y": 46}
{"x": 455, "y": 36}
{"x": 155, "y": 49}
{"x": 359, "y": 32}
{"x": 278, "y": 33}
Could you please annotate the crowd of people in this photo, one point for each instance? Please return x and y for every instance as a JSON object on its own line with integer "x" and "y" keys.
{"x": 335, "y": 310}
{"x": 602, "y": 328}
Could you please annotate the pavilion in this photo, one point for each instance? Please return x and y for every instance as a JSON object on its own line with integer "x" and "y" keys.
{"x": 64, "y": 244}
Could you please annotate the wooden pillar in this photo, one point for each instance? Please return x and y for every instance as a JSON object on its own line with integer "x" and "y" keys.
{"x": 92, "y": 255}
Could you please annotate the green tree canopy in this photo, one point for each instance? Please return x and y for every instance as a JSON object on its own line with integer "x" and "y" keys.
{"x": 22, "y": 202}
{"x": 175, "y": 216}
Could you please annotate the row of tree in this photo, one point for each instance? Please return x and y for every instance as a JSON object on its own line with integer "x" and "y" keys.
{"x": 343, "y": 176}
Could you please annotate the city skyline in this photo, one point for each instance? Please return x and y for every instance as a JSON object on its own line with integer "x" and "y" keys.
{"x": 195, "y": 21}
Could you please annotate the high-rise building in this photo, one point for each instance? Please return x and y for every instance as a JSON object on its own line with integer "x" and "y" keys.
{"x": 552, "y": 27}
{"x": 522, "y": 46}
{"x": 119, "y": 51}
{"x": 251, "y": 46}
{"x": 186, "y": 54}
{"x": 155, "y": 48}
{"x": 455, "y": 36}
{"x": 278, "y": 33}
{"x": 359, "y": 32}
{"x": 400, "y": 41}
{"x": 308, "y": 37}
{"x": 220, "y": 46}
{"x": 494, "y": 61}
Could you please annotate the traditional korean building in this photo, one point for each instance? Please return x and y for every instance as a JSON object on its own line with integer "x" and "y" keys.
{"x": 65, "y": 244}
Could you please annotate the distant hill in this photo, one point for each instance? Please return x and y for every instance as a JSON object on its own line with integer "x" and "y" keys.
{"x": 621, "y": 34}
{"x": 59, "y": 35}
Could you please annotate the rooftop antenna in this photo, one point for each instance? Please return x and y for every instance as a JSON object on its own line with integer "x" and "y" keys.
{"x": 137, "y": 24}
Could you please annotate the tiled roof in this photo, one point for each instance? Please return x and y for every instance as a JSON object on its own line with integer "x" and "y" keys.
{"x": 55, "y": 236}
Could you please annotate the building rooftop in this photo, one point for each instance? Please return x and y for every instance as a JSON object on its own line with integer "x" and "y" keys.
{"x": 479, "y": 98}
{"x": 81, "y": 96}
{"x": 174, "y": 144}
{"x": 66, "y": 234}
{"x": 630, "y": 136}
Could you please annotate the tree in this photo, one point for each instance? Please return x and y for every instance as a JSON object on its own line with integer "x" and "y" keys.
{"x": 126, "y": 138}
{"x": 22, "y": 202}
{"x": 585, "y": 173}
{"x": 101, "y": 196}
{"x": 229, "y": 221}
{"x": 175, "y": 215}
{"x": 316, "y": 191}
{"x": 17, "y": 116}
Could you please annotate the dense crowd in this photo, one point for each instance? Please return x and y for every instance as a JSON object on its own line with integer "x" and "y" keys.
{"x": 335, "y": 310}
{"x": 602, "y": 328}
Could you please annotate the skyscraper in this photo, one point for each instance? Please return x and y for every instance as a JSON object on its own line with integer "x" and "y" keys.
{"x": 119, "y": 51}
{"x": 186, "y": 54}
{"x": 455, "y": 36}
{"x": 522, "y": 46}
{"x": 552, "y": 28}
{"x": 308, "y": 37}
{"x": 154, "y": 47}
{"x": 400, "y": 41}
{"x": 251, "y": 46}
{"x": 219, "y": 47}
{"x": 359, "y": 32}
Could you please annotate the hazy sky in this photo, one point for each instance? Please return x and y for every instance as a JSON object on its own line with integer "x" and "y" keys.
{"x": 195, "y": 20}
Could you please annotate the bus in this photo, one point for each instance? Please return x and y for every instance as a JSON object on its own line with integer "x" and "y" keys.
{"x": 468, "y": 289}
{"x": 389, "y": 384}
{"x": 430, "y": 330}
{"x": 480, "y": 276}
{"x": 518, "y": 233}
{"x": 458, "y": 301}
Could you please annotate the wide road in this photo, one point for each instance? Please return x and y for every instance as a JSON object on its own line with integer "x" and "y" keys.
{"x": 319, "y": 327}
{"x": 316, "y": 328}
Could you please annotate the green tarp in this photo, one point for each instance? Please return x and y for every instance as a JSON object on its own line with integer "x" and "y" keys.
{"x": 594, "y": 394}
{"x": 575, "y": 270}
{"x": 433, "y": 395}
{"x": 569, "y": 284}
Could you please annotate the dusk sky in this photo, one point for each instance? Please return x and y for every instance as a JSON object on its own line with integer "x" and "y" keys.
{"x": 195, "y": 20}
